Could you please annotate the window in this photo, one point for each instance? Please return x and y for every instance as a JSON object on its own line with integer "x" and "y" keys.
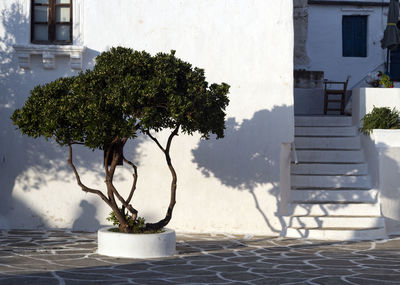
{"x": 354, "y": 36}
{"x": 51, "y": 22}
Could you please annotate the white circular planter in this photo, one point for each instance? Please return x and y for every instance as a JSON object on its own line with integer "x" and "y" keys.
{"x": 118, "y": 244}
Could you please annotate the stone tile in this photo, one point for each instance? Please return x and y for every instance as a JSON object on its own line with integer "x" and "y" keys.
{"x": 233, "y": 276}
{"x": 198, "y": 280}
{"x": 97, "y": 282}
{"x": 331, "y": 263}
{"x": 278, "y": 281}
{"x": 377, "y": 271}
{"x": 362, "y": 281}
{"x": 334, "y": 281}
{"x": 27, "y": 258}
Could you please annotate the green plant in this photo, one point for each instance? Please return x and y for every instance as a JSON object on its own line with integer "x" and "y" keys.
{"x": 385, "y": 80}
{"x": 137, "y": 226}
{"x": 380, "y": 118}
{"x": 378, "y": 78}
{"x": 128, "y": 92}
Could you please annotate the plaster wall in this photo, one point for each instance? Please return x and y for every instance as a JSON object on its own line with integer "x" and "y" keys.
{"x": 387, "y": 152}
{"x": 324, "y": 41}
{"x": 364, "y": 100}
{"x": 230, "y": 185}
{"x": 382, "y": 151}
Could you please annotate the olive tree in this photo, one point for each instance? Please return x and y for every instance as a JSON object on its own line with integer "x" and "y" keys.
{"x": 127, "y": 93}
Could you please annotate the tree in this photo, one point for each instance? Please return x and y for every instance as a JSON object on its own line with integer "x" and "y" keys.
{"x": 127, "y": 92}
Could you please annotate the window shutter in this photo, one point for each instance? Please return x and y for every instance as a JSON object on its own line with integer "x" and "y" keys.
{"x": 347, "y": 36}
{"x": 354, "y": 36}
{"x": 361, "y": 36}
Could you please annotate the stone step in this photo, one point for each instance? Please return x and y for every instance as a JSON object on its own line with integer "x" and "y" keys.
{"x": 330, "y": 156}
{"x": 326, "y": 131}
{"x": 347, "y": 143}
{"x": 334, "y": 209}
{"x": 337, "y": 234}
{"x": 322, "y": 121}
{"x": 334, "y": 222}
{"x": 329, "y": 169}
{"x": 345, "y": 195}
{"x": 330, "y": 182}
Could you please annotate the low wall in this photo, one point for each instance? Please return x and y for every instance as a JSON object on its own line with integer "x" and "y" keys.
{"x": 364, "y": 100}
{"x": 308, "y": 101}
{"x": 387, "y": 151}
{"x": 382, "y": 151}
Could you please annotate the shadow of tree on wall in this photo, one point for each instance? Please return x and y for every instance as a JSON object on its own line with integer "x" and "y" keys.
{"x": 389, "y": 186}
{"x": 248, "y": 157}
{"x": 26, "y": 163}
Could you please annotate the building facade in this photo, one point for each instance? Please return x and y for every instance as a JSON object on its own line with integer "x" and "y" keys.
{"x": 236, "y": 185}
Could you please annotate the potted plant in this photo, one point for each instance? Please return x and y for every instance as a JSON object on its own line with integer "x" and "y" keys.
{"x": 380, "y": 118}
{"x": 379, "y": 79}
{"x": 126, "y": 94}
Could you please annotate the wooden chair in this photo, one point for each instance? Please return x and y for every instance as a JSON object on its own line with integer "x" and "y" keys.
{"x": 337, "y": 95}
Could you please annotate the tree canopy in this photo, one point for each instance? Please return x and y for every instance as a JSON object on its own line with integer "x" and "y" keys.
{"x": 126, "y": 91}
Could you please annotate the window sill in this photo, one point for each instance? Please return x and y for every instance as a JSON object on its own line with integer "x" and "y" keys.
{"x": 49, "y": 53}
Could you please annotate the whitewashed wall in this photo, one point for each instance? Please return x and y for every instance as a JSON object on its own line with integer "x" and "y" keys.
{"x": 324, "y": 41}
{"x": 230, "y": 185}
{"x": 382, "y": 151}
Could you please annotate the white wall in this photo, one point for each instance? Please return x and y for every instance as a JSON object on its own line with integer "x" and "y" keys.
{"x": 324, "y": 42}
{"x": 229, "y": 185}
{"x": 364, "y": 100}
{"x": 382, "y": 151}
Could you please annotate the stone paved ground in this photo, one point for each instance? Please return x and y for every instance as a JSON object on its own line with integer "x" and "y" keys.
{"x": 63, "y": 257}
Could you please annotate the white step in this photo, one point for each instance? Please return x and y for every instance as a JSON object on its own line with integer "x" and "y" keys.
{"x": 330, "y": 156}
{"x": 330, "y": 182}
{"x": 334, "y": 209}
{"x": 334, "y": 222}
{"x": 337, "y": 234}
{"x": 330, "y": 169}
{"x": 327, "y": 142}
{"x": 326, "y": 131}
{"x": 345, "y": 195}
{"x": 322, "y": 121}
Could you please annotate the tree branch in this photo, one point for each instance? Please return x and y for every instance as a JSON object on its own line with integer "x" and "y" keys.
{"x": 171, "y": 136}
{"x": 135, "y": 178}
{"x": 155, "y": 140}
{"x": 162, "y": 223}
{"x": 124, "y": 203}
{"x": 78, "y": 179}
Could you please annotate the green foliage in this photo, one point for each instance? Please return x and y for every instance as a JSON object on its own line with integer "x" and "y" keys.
{"x": 385, "y": 80}
{"x": 135, "y": 226}
{"x": 380, "y": 118}
{"x": 125, "y": 92}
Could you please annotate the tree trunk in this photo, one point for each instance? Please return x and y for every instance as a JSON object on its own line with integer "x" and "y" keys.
{"x": 162, "y": 223}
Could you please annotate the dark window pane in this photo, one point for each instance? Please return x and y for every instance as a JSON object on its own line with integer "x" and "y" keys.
{"x": 41, "y": 1}
{"x": 62, "y": 33}
{"x": 41, "y": 32}
{"x": 41, "y": 13}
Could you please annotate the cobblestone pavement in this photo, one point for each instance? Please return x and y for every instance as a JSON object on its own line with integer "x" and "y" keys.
{"x": 64, "y": 257}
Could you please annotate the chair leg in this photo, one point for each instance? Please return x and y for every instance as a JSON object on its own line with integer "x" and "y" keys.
{"x": 343, "y": 100}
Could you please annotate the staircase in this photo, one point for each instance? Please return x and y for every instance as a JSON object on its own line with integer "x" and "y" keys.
{"x": 331, "y": 195}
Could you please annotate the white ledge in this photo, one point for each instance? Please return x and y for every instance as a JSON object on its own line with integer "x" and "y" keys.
{"x": 49, "y": 53}
{"x": 386, "y": 138}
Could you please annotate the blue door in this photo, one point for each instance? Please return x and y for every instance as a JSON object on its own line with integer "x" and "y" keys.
{"x": 394, "y": 66}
